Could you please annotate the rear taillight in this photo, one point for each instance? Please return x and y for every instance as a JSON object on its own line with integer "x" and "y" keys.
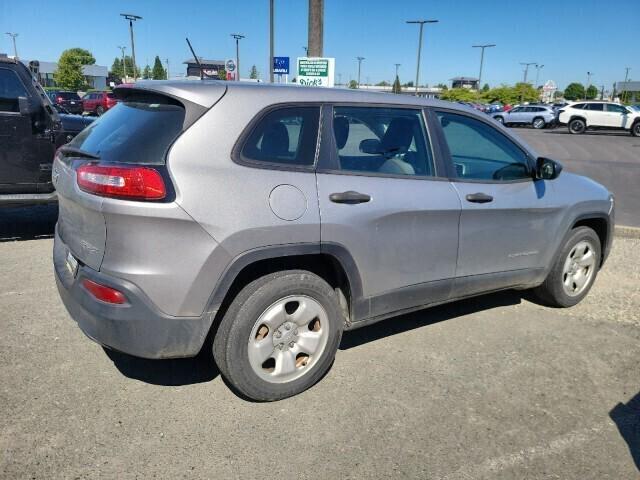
{"x": 134, "y": 183}
{"x": 104, "y": 293}
{"x": 59, "y": 99}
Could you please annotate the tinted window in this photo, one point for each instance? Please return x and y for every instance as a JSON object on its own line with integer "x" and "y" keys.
{"x": 595, "y": 107}
{"x": 10, "y": 89}
{"x": 579, "y": 106}
{"x": 68, "y": 95}
{"x": 382, "y": 140}
{"x": 517, "y": 109}
{"x": 616, "y": 108}
{"x": 287, "y": 136}
{"x": 481, "y": 152}
{"x": 132, "y": 132}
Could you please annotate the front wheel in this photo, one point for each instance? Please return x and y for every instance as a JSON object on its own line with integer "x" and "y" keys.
{"x": 279, "y": 335}
{"x": 577, "y": 126}
{"x": 574, "y": 271}
{"x": 499, "y": 120}
{"x": 635, "y": 129}
{"x": 100, "y": 110}
{"x": 538, "y": 123}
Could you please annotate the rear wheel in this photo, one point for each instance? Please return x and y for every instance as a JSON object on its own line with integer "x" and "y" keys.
{"x": 99, "y": 110}
{"x": 279, "y": 335}
{"x": 577, "y": 126}
{"x": 574, "y": 271}
{"x": 499, "y": 120}
{"x": 635, "y": 129}
{"x": 538, "y": 123}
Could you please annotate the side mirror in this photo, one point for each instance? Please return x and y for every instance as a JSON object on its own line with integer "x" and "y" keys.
{"x": 372, "y": 146}
{"x": 547, "y": 169}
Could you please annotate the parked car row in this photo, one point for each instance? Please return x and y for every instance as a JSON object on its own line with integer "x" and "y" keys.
{"x": 92, "y": 103}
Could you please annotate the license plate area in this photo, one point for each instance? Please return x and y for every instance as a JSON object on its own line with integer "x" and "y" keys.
{"x": 71, "y": 264}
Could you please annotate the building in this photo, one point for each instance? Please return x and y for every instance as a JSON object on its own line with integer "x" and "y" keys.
{"x": 465, "y": 82}
{"x": 632, "y": 90}
{"x": 95, "y": 75}
{"x": 210, "y": 68}
{"x": 426, "y": 92}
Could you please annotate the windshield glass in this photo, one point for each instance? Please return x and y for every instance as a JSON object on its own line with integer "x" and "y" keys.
{"x": 132, "y": 132}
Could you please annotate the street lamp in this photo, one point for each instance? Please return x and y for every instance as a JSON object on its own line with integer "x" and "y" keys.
{"x": 124, "y": 65}
{"x": 132, "y": 18}
{"x": 482, "y": 47}
{"x": 421, "y": 23}
{"x": 589, "y": 75}
{"x": 238, "y": 37}
{"x": 526, "y": 69}
{"x": 397, "y": 67}
{"x": 538, "y": 68}
{"x": 13, "y": 37}
{"x": 360, "y": 59}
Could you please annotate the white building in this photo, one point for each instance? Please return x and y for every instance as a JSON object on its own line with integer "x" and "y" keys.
{"x": 95, "y": 75}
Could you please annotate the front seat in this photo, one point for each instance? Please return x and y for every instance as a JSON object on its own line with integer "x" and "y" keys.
{"x": 397, "y": 140}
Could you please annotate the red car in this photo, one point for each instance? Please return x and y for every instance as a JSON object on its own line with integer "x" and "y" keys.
{"x": 97, "y": 103}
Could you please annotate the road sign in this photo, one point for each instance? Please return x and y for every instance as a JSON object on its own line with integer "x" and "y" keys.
{"x": 281, "y": 65}
{"x": 230, "y": 67}
{"x": 316, "y": 71}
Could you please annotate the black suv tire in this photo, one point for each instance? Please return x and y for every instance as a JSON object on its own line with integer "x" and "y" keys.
{"x": 552, "y": 292}
{"x": 232, "y": 341}
{"x": 577, "y": 126}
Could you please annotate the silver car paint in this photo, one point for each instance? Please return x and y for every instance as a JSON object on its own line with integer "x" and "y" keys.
{"x": 177, "y": 252}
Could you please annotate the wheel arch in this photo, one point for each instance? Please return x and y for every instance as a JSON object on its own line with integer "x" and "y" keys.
{"x": 578, "y": 117}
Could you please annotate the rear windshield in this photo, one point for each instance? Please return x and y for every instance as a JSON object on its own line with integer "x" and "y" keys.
{"x": 68, "y": 95}
{"x": 132, "y": 132}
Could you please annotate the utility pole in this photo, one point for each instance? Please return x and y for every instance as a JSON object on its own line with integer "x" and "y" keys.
{"x": 359, "y": 64}
{"x": 167, "y": 62}
{"x": 526, "y": 69}
{"x": 482, "y": 47}
{"x": 132, "y": 18}
{"x": 538, "y": 68}
{"x": 124, "y": 65}
{"x": 15, "y": 50}
{"x": 316, "y": 28}
{"x": 589, "y": 75}
{"x": 626, "y": 78}
{"x": 238, "y": 37}
{"x": 397, "y": 67}
{"x": 271, "y": 41}
{"x": 421, "y": 23}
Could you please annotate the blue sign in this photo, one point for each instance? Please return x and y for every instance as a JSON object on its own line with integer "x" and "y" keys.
{"x": 281, "y": 65}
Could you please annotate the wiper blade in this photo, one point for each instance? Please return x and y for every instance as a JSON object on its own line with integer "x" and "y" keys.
{"x": 78, "y": 152}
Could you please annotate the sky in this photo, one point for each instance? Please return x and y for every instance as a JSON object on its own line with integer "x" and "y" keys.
{"x": 568, "y": 37}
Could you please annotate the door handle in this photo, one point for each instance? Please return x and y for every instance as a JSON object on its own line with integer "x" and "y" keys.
{"x": 479, "y": 198}
{"x": 349, "y": 197}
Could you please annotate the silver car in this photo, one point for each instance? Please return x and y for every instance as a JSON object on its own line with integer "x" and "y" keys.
{"x": 538, "y": 116}
{"x": 270, "y": 219}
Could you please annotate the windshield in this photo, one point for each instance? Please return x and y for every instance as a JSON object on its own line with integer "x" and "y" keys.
{"x": 132, "y": 132}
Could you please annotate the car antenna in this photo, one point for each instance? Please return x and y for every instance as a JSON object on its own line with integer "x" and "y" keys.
{"x": 195, "y": 57}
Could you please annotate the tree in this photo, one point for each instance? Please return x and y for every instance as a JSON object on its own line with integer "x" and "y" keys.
{"x": 253, "y": 73}
{"x": 383, "y": 83}
{"x": 574, "y": 91}
{"x": 460, "y": 95}
{"x": 408, "y": 84}
{"x": 69, "y": 73}
{"x": 353, "y": 84}
{"x": 222, "y": 74}
{"x": 485, "y": 87}
{"x": 146, "y": 73}
{"x": 592, "y": 92}
{"x": 525, "y": 92}
{"x": 396, "y": 86}
{"x": 158, "y": 72}
{"x": 116, "y": 68}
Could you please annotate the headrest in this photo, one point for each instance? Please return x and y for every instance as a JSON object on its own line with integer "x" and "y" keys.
{"x": 275, "y": 141}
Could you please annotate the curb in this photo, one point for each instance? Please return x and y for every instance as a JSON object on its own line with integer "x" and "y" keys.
{"x": 627, "y": 232}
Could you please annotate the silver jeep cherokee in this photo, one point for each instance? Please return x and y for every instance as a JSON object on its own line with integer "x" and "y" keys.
{"x": 273, "y": 218}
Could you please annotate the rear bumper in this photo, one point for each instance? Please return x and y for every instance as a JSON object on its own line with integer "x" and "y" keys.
{"x": 138, "y": 327}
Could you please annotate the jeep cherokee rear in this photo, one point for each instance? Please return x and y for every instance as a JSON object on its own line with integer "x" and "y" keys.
{"x": 277, "y": 217}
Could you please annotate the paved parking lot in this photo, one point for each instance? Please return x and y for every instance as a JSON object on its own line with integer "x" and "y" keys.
{"x": 494, "y": 387}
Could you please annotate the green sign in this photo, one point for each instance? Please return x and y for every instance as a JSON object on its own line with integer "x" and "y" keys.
{"x": 313, "y": 67}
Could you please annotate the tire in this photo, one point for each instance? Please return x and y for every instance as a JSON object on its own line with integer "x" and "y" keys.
{"x": 559, "y": 288}
{"x": 538, "y": 123}
{"x": 269, "y": 310}
{"x": 577, "y": 126}
{"x": 99, "y": 110}
{"x": 499, "y": 120}
{"x": 635, "y": 129}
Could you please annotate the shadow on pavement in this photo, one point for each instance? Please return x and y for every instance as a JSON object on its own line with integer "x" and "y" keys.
{"x": 171, "y": 372}
{"x": 430, "y": 316}
{"x": 627, "y": 419}
{"x": 28, "y": 223}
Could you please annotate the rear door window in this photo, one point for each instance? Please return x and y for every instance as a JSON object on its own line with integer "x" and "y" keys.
{"x": 133, "y": 132}
{"x": 68, "y": 96}
{"x": 595, "y": 107}
{"x": 286, "y": 136}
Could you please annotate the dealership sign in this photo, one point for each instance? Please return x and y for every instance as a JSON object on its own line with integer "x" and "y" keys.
{"x": 316, "y": 72}
{"x": 281, "y": 65}
{"x": 230, "y": 67}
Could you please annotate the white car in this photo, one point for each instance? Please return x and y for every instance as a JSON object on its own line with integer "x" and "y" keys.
{"x": 581, "y": 116}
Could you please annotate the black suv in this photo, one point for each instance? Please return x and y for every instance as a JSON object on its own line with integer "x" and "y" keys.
{"x": 31, "y": 129}
{"x": 70, "y": 101}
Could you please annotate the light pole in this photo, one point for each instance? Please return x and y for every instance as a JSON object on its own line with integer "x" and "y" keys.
{"x": 360, "y": 59}
{"x": 167, "y": 62}
{"x": 626, "y": 78}
{"x": 397, "y": 67}
{"x": 526, "y": 69}
{"x": 238, "y": 37}
{"x": 124, "y": 65}
{"x": 316, "y": 28}
{"x": 538, "y": 68}
{"x": 421, "y": 23}
{"x": 271, "y": 41}
{"x": 132, "y": 18}
{"x": 482, "y": 47}
{"x": 13, "y": 37}
{"x": 589, "y": 75}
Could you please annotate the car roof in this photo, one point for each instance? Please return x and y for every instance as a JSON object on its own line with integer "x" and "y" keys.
{"x": 207, "y": 92}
